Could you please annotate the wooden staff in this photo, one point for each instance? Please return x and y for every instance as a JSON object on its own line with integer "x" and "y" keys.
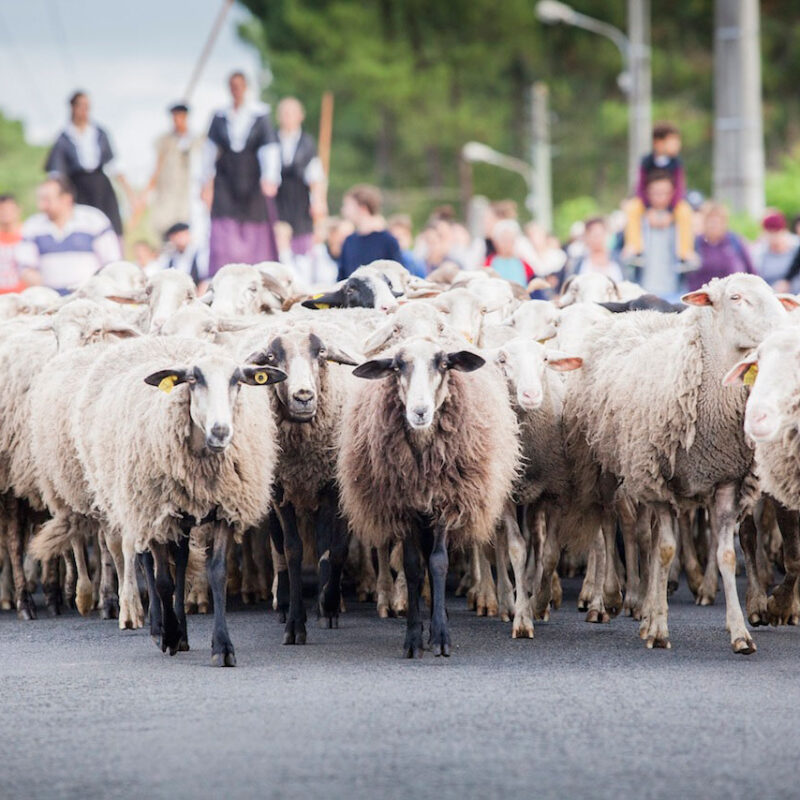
{"x": 326, "y": 131}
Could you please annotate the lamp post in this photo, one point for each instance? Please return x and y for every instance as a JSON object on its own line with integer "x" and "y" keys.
{"x": 473, "y": 152}
{"x": 635, "y": 79}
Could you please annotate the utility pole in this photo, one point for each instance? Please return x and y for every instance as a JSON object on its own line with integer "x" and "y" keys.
{"x": 639, "y": 99}
{"x": 738, "y": 131}
{"x": 541, "y": 181}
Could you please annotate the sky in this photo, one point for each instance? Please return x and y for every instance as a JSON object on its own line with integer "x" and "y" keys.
{"x": 134, "y": 57}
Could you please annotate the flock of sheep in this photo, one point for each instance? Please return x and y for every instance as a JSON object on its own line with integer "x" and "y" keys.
{"x": 396, "y": 430}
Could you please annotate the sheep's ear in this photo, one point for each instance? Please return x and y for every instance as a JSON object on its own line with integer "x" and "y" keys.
{"x": 44, "y": 324}
{"x": 561, "y": 362}
{"x": 376, "y": 369}
{"x": 699, "y": 298}
{"x": 167, "y": 379}
{"x": 788, "y": 301}
{"x": 128, "y": 298}
{"x": 464, "y": 361}
{"x": 260, "y": 376}
{"x": 537, "y": 284}
{"x": 207, "y": 298}
{"x": 121, "y": 330}
{"x": 340, "y": 356}
{"x": 379, "y": 338}
{"x": 743, "y": 373}
{"x": 325, "y": 300}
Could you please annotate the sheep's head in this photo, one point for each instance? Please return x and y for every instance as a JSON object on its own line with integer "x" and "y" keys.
{"x": 588, "y": 288}
{"x": 773, "y": 373}
{"x": 81, "y": 322}
{"x": 421, "y": 369}
{"x": 745, "y": 308}
{"x": 523, "y": 362}
{"x": 213, "y": 383}
{"x": 535, "y": 319}
{"x": 165, "y": 293}
{"x": 302, "y": 355}
{"x": 243, "y": 290}
{"x": 363, "y": 290}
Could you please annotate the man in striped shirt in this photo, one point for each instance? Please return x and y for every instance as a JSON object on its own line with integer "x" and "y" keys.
{"x": 65, "y": 244}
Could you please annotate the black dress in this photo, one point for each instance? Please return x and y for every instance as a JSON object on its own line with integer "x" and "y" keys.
{"x": 292, "y": 198}
{"x": 92, "y": 187}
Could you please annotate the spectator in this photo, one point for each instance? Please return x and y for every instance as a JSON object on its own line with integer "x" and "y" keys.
{"x": 10, "y": 238}
{"x": 324, "y": 262}
{"x": 721, "y": 252}
{"x": 171, "y": 182}
{"x": 663, "y": 158}
{"x": 181, "y": 253}
{"x": 145, "y": 256}
{"x": 301, "y": 195}
{"x": 597, "y": 257}
{"x": 82, "y": 153}
{"x": 504, "y": 261}
{"x": 775, "y": 251}
{"x": 434, "y": 248}
{"x": 542, "y": 251}
{"x": 400, "y": 228}
{"x": 66, "y": 243}
{"x": 370, "y": 240}
{"x": 241, "y": 174}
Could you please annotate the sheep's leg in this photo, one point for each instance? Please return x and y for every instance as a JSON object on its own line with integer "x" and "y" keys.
{"x": 551, "y": 552}
{"x": 165, "y": 587}
{"x": 597, "y": 610}
{"x": 131, "y": 613}
{"x": 156, "y": 619}
{"x": 51, "y": 586}
{"x": 724, "y": 514}
{"x": 180, "y": 552}
{"x": 522, "y": 627}
{"x": 438, "y": 563}
{"x": 644, "y": 539}
{"x": 6, "y": 583}
{"x": 366, "y": 588}
{"x": 15, "y": 540}
{"x": 473, "y": 578}
{"x": 707, "y": 593}
{"x": 263, "y": 577}
{"x": 280, "y": 588}
{"x": 537, "y": 536}
{"x": 626, "y": 513}
{"x": 84, "y": 594}
{"x": 111, "y": 566}
{"x": 486, "y": 601}
{"x": 612, "y": 586}
{"x": 755, "y": 595}
{"x": 385, "y": 583}
{"x": 689, "y": 559}
{"x": 782, "y": 606}
{"x": 653, "y": 628}
{"x": 222, "y": 654}
{"x": 295, "y": 632}
{"x": 400, "y": 592}
{"x": 673, "y": 580}
{"x": 70, "y": 580}
{"x": 248, "y": 591}
{"x": 414, "y": 573}
{"x": 587, "y": 587}
{"x": 505, "y": 591}
{"x": 332, "y": 545}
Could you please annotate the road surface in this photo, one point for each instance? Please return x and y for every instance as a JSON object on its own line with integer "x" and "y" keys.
{"x": 580, "y": 711}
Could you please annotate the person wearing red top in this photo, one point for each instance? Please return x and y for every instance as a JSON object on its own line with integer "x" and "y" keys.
{"x": 10, "y": 237}
{"x": 504, "y": 261}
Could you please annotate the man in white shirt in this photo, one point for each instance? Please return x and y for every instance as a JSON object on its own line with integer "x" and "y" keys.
{"x": 65, "y": 244}
{"x": 182, "y": 254}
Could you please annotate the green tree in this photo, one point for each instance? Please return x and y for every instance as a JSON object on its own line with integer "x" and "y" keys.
{"x": 21, "y": 164}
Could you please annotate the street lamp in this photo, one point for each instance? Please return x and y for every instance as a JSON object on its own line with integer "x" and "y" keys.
{"x": 474, "y": 152}
{"x": 634, "y": 81}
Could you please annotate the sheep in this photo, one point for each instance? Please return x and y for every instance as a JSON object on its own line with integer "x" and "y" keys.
{"x": 376, "y": 285}
{"x": 537, "y": 396}
{"x": 535, "y": 319}
{"x": 428, "y": 456}
{"x": 243, "y": 289}
{"x": 195, "y": 321}
{"x": 645, "y": 302}
{"x": 165, "y": 293}
{"x": 159, "y": 465}
{"x": 593, "y": 287}
{"x": 649, "y": 411}
{"x": 308, "y": 408}
{"x": 771, "y": 422}
{"x": 22, "y": 355}
{"x": 411, "y": 319}
{"x": 464, "y": 312}
{"x": 33, "y": 300}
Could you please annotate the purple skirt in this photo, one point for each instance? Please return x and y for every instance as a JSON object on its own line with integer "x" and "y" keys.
{"x": 234, "y": 242}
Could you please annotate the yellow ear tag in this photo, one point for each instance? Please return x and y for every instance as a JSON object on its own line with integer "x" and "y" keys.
{"x": 319, "y": 305}
{"x": 260, "y": 377}
{"x": 750, "y": 376}
{"x": 168, "y": 384}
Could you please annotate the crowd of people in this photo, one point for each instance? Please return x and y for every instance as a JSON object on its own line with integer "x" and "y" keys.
{"x": 254, "y": 190}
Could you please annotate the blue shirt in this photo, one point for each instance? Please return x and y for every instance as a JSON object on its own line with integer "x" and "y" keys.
{"x": 360, "y": 249}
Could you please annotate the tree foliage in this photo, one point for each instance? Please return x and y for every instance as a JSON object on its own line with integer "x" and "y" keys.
{"x": 20, "y": 164}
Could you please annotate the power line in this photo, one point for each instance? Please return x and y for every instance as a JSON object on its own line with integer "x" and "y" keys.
{"x": 206, "y": 52}
{"x": 21, "y": 62}
{"x": 61, "y": 38}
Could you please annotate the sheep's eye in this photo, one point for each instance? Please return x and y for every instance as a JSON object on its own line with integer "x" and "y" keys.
{"x": 322, "y": 352}
{"x": 483, "y": 310}
{"x": 502, "y": 358}
{"x": 252, "y": 289}
{"x": 736, "y": 297}
{"x": 191, "y": 380}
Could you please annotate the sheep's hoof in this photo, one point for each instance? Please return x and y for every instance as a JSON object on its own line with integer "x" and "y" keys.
{"x": 203, "y": 607}
{"x": 597, "y": 616}
{"x": 542, "y": 615}
{"x": 156, "y": 639}
{"x": 660, "y": 642}
{"x": 183, "y": 645}
{"x": 26, "y": 608}
{"x": 295, "y": 633}
{"x": 110, "y": 608}
{"x": 383, "y": 611}
{"x": 744, "y": 646}
{"x": 227, "y": 659}
{"x": 6, "y": 605}
{"x": 706, "y": 594}
{"x": 522, "y": 627}
{"x": 629, "y": 606}
{"x": 191, "y": 607}
{"x": 781, "y": 608}
{"x": 758, "y": 618}
{"x": 248, "y": 598}
{"x": 583, "y": 604}
{"x": 53, "y": 610}
{"x": 329, "y": 622}
{"x": 281, "y": 616}
{"x": 413, "y": 644}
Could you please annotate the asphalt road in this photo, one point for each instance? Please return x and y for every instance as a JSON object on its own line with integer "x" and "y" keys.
{"x": 581, "y": 711}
